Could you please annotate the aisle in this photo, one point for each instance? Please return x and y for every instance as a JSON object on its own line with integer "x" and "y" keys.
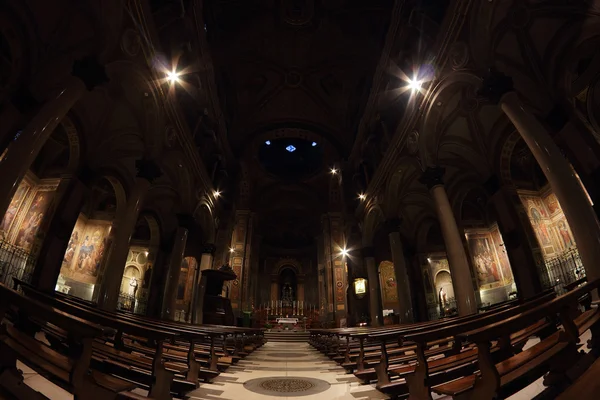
{"x": 285, "y": 370}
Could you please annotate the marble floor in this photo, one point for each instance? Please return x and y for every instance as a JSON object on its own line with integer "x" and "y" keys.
{"x": 279, "y": 370}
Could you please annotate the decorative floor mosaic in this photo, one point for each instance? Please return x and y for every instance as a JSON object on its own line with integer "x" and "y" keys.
{"x": 288, "y": 386}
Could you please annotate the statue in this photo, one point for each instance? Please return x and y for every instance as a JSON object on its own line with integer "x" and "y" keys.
{"x": 133, "y": 285}
{"x": 287, "y": 294}
{"x": 443, "y": 298}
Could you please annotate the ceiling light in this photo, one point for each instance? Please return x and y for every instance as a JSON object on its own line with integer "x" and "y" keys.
{"x": 414, "y": 85}
{"x": 268, "y": 142}
{"x": 344, "y": 252}
{"x": 173, "y": 76}
{"x": 314, "y": 144}
{"x": 334, "y": 171}
{"x": 290, "y": 148}
{"x": 362, "y": 196}
{"x": 231, "y": 250}
{"x": 216, "y": 193}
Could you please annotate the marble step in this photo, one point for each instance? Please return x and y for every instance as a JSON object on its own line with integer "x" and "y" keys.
{"x": 284, "y": 336}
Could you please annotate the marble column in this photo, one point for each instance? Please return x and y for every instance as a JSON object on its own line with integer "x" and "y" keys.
{"x": 405, "y": 308}
{"x": 170, "y": 298}
{"x": 70, "y": 197}
{"x": 457, "y": 258}
{"x": 206, "y": 262}
{"x": 21, "y": 152}
{"x": 573, "y": 200}
{"x": 374, "y": 293}
{"x": 124, "y": 227}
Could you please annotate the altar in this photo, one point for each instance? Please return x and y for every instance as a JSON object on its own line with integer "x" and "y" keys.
{"x": 288, "y": 323}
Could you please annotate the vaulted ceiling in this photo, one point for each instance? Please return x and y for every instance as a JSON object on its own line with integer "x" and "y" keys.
{"x": 296, "y": 63}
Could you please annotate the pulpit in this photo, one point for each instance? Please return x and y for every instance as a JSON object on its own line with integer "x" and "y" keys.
{"x": 216, "y": 309}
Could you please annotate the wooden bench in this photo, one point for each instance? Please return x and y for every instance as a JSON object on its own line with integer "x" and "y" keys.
{"x": 71, "y": 372}
{"x": 153, "y": 373}
{"x": 556, "y": 354}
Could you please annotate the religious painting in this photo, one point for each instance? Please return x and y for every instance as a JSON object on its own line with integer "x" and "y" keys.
{"x": 552, "y": 203}
{"x": 13, "y": 207}
{"x": 491, "y": 263}
{"x": 387, "y": 278}
{"x": 498, "y": 242}
{"x": 486, "y": 265}
{"x": 86, "y": 250}
{"x": 74, "y": 242}
{"x": 33, "y": 218}
{"x": 548, "y": 221}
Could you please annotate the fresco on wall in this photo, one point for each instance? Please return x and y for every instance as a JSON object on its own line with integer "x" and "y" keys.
{"x": 387, "y": 278}
{"x": 33, "y": 218}
{"x": 489, "y": 258}
{"x": 548, "y": 221}
{"x": 85, "y": 250}
{"x": 13, "y": 208}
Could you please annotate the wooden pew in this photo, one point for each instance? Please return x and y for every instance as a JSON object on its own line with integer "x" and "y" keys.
{"x": 460, "y": 355}
{"x": 71, "y": 372}
{"x": 556, "y": 354}
{"x": 151, "y": 372}
{"x": 400, "y": 353}
{"x": 249, "y": 338}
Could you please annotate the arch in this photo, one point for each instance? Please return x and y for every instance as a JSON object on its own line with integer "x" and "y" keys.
{"x": 135, "y": 88}
{"x": 205, "y": 215}
{"x": 373, "y": 219}
{"x": 433, "y": 114}
{"x": 407, "y": 172}
{"x": 290, "y": 263}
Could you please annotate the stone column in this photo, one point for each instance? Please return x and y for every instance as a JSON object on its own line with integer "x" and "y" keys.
{"x": 70, "y": 197}
{"x": 457, "y": 258}
{"x": 206, "y": 262}
{"x": 573, "y": 200}
{"x": 405, "y": 308}
{"x": 170, "y": 298}
{"x": 374, "y": 293}
{"x": 124, "y": 227}
{"x": 22, "y": 152}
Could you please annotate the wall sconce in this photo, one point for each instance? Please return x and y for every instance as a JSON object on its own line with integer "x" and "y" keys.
{"x": 360, "y": 287}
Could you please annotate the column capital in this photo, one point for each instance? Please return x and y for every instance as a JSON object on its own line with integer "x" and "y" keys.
{"x": 208, "y": 248}
{"x": 495, "y": 85}
{"x": 147, "y": 169}
{"x": 392, "y": 225}
{"x": 432, "y": 176}
{"x": 90, "y": 71}
{"x": 367, "y": 252}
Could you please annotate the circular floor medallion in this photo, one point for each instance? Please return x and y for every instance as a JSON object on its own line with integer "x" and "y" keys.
{"x": 288, "y": 386}
{"x": 286, "y": 355}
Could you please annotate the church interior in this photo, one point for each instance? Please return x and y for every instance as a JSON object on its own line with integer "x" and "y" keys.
{"x": 346, "y": 199}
